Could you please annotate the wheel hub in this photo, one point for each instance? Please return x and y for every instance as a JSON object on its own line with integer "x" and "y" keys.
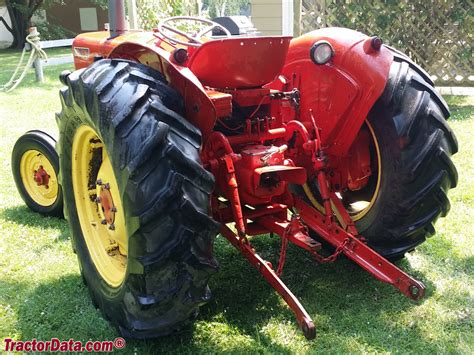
{"x": 361, "y": 201}
{"x": 99, "y": 206}
{"x": 105, "y": 201}
{"x": 41, "y": 177}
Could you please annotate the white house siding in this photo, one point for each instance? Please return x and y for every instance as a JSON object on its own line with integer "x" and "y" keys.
{"x": 267, "y": 16}
{"x": 6, "y": 37}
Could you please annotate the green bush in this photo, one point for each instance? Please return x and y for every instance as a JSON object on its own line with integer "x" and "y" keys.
{"x": 435, "y": 33}
{"x": 49, "y": 31}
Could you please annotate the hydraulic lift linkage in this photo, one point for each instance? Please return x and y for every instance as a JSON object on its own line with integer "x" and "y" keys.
{"x": 335, "y": 226}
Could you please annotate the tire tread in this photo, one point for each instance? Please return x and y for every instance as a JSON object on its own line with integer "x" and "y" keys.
{"x": 164, "y": 185}
{"x": 415, "y": 200}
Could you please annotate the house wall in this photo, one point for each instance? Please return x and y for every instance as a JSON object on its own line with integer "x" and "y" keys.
{"x": 267, "y": 16}
{"x": 273, "y": 17}
{"x": 5, "y": 37}
{"x": 75, "y": 15}
{"x": 78, "y": 16}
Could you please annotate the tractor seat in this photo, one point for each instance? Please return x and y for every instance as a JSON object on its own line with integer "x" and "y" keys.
{"x": 243, "y": 62}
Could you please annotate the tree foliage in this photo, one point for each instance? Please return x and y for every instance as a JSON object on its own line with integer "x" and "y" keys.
{"x": 20, "y": 12}
{"x": 435, "y": 33}
{"x": 225, "y": 7}
{"x": 152, "y": 11}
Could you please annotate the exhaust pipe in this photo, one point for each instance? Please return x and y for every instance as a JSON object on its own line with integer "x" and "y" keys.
{"x": 117, "y": 24}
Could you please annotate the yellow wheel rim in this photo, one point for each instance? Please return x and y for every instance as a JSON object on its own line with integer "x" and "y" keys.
{"x": 39, "y": 178}
{"x": 99, "y": 206}
{"x": 363, "y": 211}
{"x": 367, "y": 205}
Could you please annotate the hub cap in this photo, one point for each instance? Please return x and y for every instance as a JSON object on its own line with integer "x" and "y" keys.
{"x": 39, "y": 178}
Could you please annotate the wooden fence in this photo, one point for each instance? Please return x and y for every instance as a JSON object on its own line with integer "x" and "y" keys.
{"x": 437, "y": 34}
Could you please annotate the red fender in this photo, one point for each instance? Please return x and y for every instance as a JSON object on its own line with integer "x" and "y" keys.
{"x": 142, "y": 47}
{"x": 200, "y": 109}
{"x": 341, "y": 92}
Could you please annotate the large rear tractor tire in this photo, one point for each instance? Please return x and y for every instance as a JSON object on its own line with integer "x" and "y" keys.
{"x": 136, "y": 197}
{"x": 412, "y": 169}
{"x": 35, "y": 168}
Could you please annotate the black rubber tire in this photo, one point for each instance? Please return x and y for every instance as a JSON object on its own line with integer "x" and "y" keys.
{"x": 409, "y": 121}
{"x": 416, "y": 145}
{"x": 165, "y": 192}
{"x": 45, "y": 144}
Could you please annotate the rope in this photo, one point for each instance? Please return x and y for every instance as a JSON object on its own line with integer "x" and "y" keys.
{"x": 36, "y": 52}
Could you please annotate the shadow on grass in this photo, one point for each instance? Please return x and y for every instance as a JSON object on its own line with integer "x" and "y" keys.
{"x": 341, "y": 297}
{"x": 29, "y": 82}
{"x": 440, "y": 256}
{"x": 461, "y": 107}
{"x": 461, "y": 113}
{"x": 51, "y": 82}
{"x": 344, "y": 301}
{"x": 24, "y": 216}
{"x": 62, "y": 309}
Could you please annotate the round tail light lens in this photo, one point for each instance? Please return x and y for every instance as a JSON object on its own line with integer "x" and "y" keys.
{"x": 376, "y": 43}
{"x": 321, "y": 52}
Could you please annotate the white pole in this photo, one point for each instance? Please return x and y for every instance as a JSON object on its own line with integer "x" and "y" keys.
{"x": 132, "y": 14}
{"x": 39, "y": 70}
{"x": 287, "y": 17}
{"x": 38, "y": 62}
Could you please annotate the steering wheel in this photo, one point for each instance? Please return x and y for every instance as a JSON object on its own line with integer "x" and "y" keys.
{"x": 194, "y": 40}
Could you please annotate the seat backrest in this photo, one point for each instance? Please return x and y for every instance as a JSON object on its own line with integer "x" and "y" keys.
{"x": 241, "y": 62}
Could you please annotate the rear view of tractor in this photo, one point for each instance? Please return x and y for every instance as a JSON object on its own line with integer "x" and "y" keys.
{"x": 332, "y": 141}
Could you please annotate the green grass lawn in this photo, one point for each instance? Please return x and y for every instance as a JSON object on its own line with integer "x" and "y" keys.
{"x": 9, "y": 59}
{"x": 42, "y": 295}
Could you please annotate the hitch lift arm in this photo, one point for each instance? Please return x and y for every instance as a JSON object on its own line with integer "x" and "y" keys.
{"x": 334, "y": 225}
{"x": 351, "y": 246}
{"x": 264, "y": 267}
{"x": 361, "y": 253}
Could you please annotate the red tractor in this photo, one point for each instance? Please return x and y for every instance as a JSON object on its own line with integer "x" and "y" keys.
{"x": 170, "y": 137}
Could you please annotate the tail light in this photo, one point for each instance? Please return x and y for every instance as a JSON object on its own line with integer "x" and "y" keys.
{"x": 321, "y": 52}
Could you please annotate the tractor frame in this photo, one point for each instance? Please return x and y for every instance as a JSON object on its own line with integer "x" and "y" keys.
{"x": 271, "y": 132}
{"x": 240, "y": 162}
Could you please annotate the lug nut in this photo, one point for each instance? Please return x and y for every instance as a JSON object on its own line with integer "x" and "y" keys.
{"x": 112, "y": 227}
{"x": 97, "y": 199}
{"x": 104, "y": 221}
{"x": 99, "y": 182}
{"x": 113, "y": 209}
{"x": 107, "y": 186}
